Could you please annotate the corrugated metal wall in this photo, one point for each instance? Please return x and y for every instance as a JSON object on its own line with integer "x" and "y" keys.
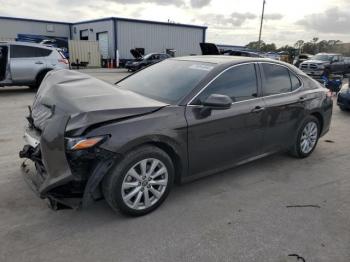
{"x": 93, "y": 29}
{"x": 157, "y": 38}
{"x": 85, "y": 51}
{"x": 9, "y": 28}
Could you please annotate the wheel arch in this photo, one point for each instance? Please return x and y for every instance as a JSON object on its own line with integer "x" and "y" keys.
{"x": 169, "y": 146}
{"x": 42, "y": 72}
{"x": 319, "y": 117}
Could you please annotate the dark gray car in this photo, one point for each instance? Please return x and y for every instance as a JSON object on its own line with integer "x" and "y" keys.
{"x": 175, "y": 121}
{"x": 144, "y": 61}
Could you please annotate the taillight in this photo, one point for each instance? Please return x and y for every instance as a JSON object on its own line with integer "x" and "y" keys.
{"x": 64, "y": 61}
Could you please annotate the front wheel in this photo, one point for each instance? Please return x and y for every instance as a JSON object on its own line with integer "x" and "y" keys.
{"x": 140, "y": 182}
{"x": 307, "y": 138}
{"x": 342, "y": 108}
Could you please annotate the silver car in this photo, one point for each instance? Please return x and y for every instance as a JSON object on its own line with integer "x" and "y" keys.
{"x": 27, "y": 63}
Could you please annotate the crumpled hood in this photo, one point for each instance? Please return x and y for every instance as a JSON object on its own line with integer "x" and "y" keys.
{"x": 86, "y": 100}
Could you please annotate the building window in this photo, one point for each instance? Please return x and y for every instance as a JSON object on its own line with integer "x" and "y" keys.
{"x": 84, "y": 34}
{"x": 50, "y": 28}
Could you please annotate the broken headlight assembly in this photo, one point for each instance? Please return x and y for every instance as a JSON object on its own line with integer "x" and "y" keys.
{"x": 84, "y": 143}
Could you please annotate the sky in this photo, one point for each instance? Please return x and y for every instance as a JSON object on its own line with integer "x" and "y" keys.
{"x": 234, "y": 22}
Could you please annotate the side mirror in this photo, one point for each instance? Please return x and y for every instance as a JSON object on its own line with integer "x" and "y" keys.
{"x": 217, "y": 102}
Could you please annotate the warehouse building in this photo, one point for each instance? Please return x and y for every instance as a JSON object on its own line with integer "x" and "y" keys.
{"x": 112, "y": 33}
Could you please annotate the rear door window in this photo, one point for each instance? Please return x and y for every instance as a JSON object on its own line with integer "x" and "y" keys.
{"x": 19, "y": 51}
{"x": 277, "y": 80}
{"x": 295, "y": 81}
{"x": 239, "y": 83}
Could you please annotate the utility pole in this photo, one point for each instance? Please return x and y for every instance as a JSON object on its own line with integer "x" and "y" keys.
{"x": 261, "y": 24}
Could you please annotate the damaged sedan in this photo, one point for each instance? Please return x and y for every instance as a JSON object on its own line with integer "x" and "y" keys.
{"x": 172, "y": 122}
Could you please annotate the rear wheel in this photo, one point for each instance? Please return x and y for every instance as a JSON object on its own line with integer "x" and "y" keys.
{"x": 140, "y": 182}
{"x": 307, "y": 138}
{"x": 342, "y": 108}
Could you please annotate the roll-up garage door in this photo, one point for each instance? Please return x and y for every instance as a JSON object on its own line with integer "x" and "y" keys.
{"x": 103, "y": 43}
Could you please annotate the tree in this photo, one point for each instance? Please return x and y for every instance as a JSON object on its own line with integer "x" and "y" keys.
{"x": 264, "y": 47}
{"x": 255, "y": 45}
{"x": 269, "y": 47}
{"x": 299, "y": 45}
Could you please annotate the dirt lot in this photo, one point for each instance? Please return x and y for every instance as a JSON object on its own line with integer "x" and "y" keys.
{"x": 239, "y": 215}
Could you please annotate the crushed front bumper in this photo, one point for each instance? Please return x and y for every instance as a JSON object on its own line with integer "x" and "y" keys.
{"x": 65, "y": 179}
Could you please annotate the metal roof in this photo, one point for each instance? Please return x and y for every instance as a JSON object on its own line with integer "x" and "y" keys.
{"x": 103, "y": 19}
{"x": 32, "y": 20}
{"x": 139, "y": 21}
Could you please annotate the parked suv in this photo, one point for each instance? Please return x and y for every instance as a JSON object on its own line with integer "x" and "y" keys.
{"x": 316, "y": 66}
{"x": 27, "y": 64}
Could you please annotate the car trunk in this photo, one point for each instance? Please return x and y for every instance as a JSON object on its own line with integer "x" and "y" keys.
{"x": 209, "y": 49}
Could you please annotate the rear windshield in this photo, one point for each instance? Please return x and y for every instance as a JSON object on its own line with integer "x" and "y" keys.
{"x": 323, "y": 57}
{"x": 168, "y": 81}
{"x": 62, "y": 55}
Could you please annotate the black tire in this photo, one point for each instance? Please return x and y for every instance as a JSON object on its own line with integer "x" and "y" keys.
{"x": 112, "y": 183}
{"x": 343, "y": 108}
{"x": 296, "y": 150}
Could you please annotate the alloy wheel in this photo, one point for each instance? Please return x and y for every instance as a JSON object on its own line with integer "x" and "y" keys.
{"x": 309, "y": 137}
{"x": 144, "y": 184}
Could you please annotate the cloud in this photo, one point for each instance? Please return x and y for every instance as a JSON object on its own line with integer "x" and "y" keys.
{"x": 157, "y": 2}
{"x": 219, "y": 20}
{"x": 274, "y": 16}
{"x": 200, "y": 3}
{"x": 332, "y": 20}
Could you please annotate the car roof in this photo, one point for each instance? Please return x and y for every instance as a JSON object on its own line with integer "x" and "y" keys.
{"x": 155, "y": 54}
{"x": 328, "y": 54}
{"x": 224, "y": 59}
{"x": 27, "y": 44}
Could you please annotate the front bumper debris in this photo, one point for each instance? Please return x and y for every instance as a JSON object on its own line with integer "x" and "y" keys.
{"x": 85, "y": 170}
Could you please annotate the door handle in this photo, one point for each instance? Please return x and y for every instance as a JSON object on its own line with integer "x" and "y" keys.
{"x": 301, "y": 99}
{"x": 258, "y": 109}
{"x": 39, "y": 63}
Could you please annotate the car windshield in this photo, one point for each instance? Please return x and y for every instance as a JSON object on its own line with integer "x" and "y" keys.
{"x": 168, "y": 81}
{"x": 323, "y": 57}
{"x": 147, "y": 56}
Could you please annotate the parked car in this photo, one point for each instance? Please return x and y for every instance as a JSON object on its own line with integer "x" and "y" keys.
{"x": 59, "y": 44}
{"x": 27, "y": 64}
{"x": 334, "y": 63}
{"x": 212, "y": 49}
{"x": 175, "y": 121}
{"x": 273, "y": 55}
{"x": 343, "y": 99}
{"x": 144, "y": 61}
{"x": 241, "y": 53}
{"x": 301, "y": 58}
